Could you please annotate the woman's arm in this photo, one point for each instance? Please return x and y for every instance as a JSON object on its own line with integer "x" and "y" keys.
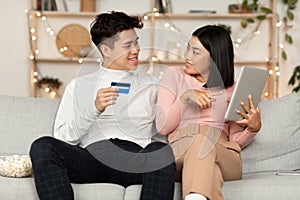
{"x": 251, "y": 121}
{"x": 168, "y": 115}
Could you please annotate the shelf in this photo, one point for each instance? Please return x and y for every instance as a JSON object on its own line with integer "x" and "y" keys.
{"x": 66, "y": 14}
{"x": 208, "y": 15}
{"x": 163, "y": 62}
{"x": 71, "y": 60}
{"x": 182, "y": 16}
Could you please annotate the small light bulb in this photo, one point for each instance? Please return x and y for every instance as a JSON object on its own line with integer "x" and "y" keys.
{"x": 146, "y": 17}
{"x": 80, "y": 60}
{"x": 266, "y": 94}
{"x": 270, "y": 72}
{"x": 154, "y": 58}
{"x": 281, "y": 45}
{"x": 47, "y": 89}
{"x": 276, "y": 68}
{"x": 33, "y": 37}
{"x": 37, "y": 51}
{"x": 278, "y": 24}
{"x": 239, "y": 40}
{"x": 34, "y": 80}
{"x": 35, "y": 73}
{"x": 32, "y": 30}
{"x": 167, "y": 25}
{"x": 257, "y": 32}
{"x": 278, "y": 73}
{"x": 31, "y": 57}
{"x": 38, "y": 14}
{"x": 237, "y": 45}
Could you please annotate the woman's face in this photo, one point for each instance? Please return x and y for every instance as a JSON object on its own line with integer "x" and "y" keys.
{"x": 197, "y": 59}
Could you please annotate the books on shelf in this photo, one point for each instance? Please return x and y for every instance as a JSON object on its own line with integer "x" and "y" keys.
{"x": 61, "y": 5}
{"x": 50, "y": 5}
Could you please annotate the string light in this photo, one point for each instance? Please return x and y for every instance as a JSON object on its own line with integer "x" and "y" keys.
{"x": 281, "y": 45}
{"x": 279, "y": 24}
{"x": 31, "y": 57}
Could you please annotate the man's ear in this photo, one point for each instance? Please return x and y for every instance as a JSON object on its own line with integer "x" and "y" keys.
{"x": 105, "y": 50}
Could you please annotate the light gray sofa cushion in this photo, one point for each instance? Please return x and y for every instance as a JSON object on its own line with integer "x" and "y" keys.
{"x": 98, "y": 191}
{"x": 276, "y": 147}
{"x": 22, "y": 119}
{"x": 266, "y": 186}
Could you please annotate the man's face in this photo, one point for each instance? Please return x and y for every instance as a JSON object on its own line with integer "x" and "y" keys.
{"x": 124, "y": 53}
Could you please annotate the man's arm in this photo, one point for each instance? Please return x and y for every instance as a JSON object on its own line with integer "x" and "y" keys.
{"x": 72, "y": 120}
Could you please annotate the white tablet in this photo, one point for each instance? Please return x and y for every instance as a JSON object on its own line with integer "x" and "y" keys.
{"x": 251, "y": 81}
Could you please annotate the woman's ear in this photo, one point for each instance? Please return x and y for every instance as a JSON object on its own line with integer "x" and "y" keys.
{"x": 105, "y": 50}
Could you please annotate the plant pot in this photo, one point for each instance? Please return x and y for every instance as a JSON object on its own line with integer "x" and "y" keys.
{"x": 46, "y": 92}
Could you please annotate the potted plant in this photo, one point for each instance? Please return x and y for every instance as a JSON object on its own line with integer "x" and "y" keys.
{"x": 48, "y": 87}
{"x": 255, "y": 7}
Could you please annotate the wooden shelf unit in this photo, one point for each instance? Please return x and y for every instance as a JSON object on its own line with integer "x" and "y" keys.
{"x": 34, "y": 16}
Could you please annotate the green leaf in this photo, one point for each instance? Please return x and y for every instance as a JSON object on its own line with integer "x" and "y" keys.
{"x": 253, "y": 6}
{"x": 285, "y": 20}
{"x": 284, "y": 55}
{"x": 296, "y": 89}
{"x": 288, "y": 38}
{"x": 292, "y": 2}
{"x": 250, "y": 20}
{"x": 285, "y": 1}
{"x": 290, "y": 15}
{"x": 245, "y": 4}
{"x": 266, "y": 10}
{"x": 261, "y": 17}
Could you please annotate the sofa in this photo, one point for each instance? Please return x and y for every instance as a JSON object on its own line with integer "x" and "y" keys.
{"x": 275, "y": 148}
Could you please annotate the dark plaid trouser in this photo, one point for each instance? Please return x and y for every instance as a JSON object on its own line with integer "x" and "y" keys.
{"x": 56, "y": 164}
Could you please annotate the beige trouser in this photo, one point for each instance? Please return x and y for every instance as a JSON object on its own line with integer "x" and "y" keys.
{"x": 204, "y": 160}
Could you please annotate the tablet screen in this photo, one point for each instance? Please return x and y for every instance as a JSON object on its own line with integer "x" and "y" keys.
{"x": 251, "y": 81}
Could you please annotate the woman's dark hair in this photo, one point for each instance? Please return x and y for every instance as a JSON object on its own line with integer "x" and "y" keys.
{"x": 107, "y": 25}
{"x": 218, "y": 43}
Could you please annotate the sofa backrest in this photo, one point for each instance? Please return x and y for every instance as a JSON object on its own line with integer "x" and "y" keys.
{"x": 277, "y": 145}
{"x": 22, "y": 120}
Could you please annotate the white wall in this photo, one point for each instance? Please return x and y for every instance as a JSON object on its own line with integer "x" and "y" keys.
{"x": 14, "y": 44}
{"x": 14, "y": 48}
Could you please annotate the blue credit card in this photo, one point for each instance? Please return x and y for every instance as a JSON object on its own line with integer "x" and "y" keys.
{"x": 122, "y": 87}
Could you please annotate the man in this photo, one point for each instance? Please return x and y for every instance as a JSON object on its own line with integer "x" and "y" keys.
{"x": 104, "y": 124}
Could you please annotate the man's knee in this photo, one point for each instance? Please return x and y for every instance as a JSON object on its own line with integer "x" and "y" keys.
{"x": 41, "y": 147}
{"x": 160, "y": 155}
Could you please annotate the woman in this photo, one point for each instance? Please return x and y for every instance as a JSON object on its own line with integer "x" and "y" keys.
{"x": 191, "y": 107}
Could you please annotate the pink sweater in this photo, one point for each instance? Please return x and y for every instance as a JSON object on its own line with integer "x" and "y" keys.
{"x": 172, "y": 114}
